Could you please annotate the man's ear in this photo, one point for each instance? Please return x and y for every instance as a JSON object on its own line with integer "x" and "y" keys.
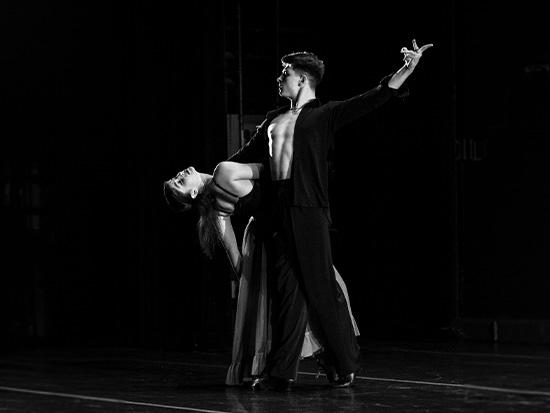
{"x": 194, "y": 193}
{"x": 303, "y": 78}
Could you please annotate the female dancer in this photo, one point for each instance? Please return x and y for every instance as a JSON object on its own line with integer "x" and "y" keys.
{"x": 234, "y": 189}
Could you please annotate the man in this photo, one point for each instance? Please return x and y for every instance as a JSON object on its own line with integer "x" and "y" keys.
{"x": 293, "y": 144}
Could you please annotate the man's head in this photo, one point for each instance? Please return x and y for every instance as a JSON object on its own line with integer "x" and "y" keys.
{"x": 305, "y": 63}
{"x": 181, "y": 191}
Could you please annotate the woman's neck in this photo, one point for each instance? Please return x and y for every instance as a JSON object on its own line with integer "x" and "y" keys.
{"x": 205, "y": 178}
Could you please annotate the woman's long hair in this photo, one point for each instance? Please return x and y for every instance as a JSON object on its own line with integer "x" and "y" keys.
{"x": 207, "y": 225}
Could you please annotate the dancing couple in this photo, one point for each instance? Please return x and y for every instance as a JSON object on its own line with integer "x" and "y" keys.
{"x": 292, "y": 302}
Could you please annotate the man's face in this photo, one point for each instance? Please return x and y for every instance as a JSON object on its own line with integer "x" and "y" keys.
{"x": 187, "y": 182}
{"x": 288, "y": 82}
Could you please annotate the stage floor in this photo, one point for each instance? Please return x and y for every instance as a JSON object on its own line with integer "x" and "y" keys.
{"x": 398, "y": 376}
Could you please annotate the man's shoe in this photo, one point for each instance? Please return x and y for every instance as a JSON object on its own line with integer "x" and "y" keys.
{"x": 258, "y": 383}
{"x": 271, "y": 383}
{"x": 344, "y": 381}
{"x": 327, "y": 367}
{"x": 280, "y": 384}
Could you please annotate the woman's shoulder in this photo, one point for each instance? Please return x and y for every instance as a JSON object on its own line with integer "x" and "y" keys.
{"x": 224, "y": 174}
{"x": 228, "y": 169}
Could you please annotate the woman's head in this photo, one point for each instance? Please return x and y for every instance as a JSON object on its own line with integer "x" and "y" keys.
{"x": 182, "y": 190}
{"x": 191, "y": 188}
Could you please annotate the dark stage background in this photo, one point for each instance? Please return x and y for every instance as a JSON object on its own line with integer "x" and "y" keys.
{"x": 439, "y": 201}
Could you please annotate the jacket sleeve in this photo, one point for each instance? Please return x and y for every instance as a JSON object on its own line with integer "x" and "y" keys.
{"x": 346, "y": 111}
{"x": 254, "y": 150}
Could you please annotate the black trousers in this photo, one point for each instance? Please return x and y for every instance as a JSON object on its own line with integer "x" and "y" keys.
{"x": 303, "y": 287}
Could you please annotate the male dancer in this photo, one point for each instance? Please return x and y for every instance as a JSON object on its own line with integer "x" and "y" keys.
{"x": 293, "y": 144}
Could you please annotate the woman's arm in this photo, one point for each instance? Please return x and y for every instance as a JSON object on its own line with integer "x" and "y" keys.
{"x": 237, "y": 177}
{"x": 227, "y": 235}
{"x": 237, "y": 171}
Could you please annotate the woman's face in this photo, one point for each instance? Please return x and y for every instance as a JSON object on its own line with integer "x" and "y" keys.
{"x": 187, "y": 182}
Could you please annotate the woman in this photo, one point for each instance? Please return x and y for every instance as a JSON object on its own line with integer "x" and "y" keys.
{"x": 216, "y": 197}
{"x": 234, "y": 189}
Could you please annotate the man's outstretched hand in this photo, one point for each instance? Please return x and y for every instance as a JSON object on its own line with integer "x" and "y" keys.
{"x": 411, "y": 58}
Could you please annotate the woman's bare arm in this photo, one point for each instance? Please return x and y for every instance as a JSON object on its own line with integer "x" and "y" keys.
{"x": 229, "y": 241}
{"x": 237, "y": 177}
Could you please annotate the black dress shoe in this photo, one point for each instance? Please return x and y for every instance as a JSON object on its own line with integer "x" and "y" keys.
{"x": 327, "y": 367}
{"x": 344, "y": 381}
{"x": 271, "y": 383}
{"x": 258, "y": 383}
{"x": 280, "y": 384}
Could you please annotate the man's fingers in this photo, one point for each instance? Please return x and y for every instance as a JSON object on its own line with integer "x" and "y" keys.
{"x": 426, "y": 46}
{"x": 417, "y": 53}
{"x": 412, "y": 56}
{"x": 409, "y": 53}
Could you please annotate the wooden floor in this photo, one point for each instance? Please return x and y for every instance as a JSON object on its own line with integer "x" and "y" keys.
{"x": 396, "y": 377}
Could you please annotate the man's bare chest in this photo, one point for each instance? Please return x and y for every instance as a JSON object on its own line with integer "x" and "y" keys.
{"x": 281, "y": 129}
{"x": 280, "y": 133}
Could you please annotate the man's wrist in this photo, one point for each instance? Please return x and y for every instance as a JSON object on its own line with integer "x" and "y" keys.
{"x": 396, "y": 88}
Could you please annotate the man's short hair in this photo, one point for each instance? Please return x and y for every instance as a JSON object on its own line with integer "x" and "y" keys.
{"x": 306, "y": 62}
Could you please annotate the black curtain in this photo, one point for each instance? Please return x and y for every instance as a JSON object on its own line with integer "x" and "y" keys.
{"x": 103, "y": 101}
